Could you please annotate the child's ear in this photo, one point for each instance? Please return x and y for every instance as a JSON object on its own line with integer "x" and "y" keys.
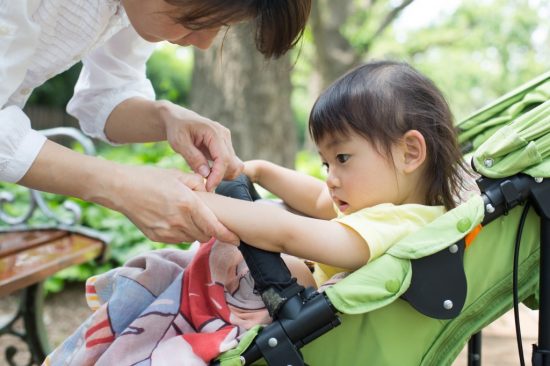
{"x": 413, "y": 150}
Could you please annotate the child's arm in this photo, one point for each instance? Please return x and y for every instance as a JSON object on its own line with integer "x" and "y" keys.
{"x": 302, "y": 192}
{"x": 270, "y": 228}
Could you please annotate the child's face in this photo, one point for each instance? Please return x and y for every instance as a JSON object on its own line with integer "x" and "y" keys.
{"x": 358, "y": 176}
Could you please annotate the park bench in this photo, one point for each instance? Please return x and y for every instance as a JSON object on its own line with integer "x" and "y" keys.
{"x": 31, "y": 253}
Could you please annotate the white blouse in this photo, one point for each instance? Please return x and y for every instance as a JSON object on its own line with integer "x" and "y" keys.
{"x": 42, "y": 38}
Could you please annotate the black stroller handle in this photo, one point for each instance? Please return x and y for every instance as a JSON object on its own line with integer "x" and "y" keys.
{"x": 268, "y": 269}
{"x": 300, "y": 315}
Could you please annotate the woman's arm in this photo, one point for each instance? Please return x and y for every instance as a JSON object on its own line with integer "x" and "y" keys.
{"x": 196, "y": 138}
{"x": 160, "y": 202}
{"x": 114, "y": 101}
{"x": 300, "y": 191}
{"x": 270, "y": 228}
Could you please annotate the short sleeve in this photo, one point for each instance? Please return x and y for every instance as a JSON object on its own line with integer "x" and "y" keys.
{"x": 111, "y": 74}
{"x": 383, "y": 225}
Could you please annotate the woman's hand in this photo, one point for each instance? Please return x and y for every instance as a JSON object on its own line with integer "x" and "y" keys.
{"x": 198, "y": 140}
{"x": 162, "y": 204}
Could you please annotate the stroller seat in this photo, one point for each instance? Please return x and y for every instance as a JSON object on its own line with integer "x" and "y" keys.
{"x": 379, "y": 327}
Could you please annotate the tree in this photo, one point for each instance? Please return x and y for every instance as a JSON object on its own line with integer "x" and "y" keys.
{"x": 479, "y": 51}
{"x": 345, "y": 31}
{"x": 476, "y": 52}
{"x": 234, "y": 84}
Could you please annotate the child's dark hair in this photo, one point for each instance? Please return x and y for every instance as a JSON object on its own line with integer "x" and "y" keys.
{"x": 279, "y": 24}
{"x": 383, "y": 100}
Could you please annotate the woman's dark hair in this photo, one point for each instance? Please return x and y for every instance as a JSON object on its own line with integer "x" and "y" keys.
{"x": 383, "y": 100}
{"x": 279, "y": 23}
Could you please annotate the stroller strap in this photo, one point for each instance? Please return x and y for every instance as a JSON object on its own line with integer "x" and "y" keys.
{"x": 438, "y": 285}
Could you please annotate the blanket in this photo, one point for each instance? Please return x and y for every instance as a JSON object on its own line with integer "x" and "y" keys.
{"x": 166, "y": 307}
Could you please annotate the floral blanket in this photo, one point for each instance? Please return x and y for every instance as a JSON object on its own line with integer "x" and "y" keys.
{"x": 167, "y": 307}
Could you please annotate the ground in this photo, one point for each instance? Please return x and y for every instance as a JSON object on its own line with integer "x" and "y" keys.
{"x": 66, "y": 310}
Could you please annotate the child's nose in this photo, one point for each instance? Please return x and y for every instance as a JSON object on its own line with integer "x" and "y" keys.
{"x": 332, "y": 180}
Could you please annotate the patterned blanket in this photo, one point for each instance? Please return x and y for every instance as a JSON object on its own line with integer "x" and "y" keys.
{"x": 166, "y": 307}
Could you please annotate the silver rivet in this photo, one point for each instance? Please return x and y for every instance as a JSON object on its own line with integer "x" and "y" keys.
{"x": 488, "y": 163}
{"x": 272, "y": 342}
{"x": 490, "y": 208}
{"x": 243, "y": 360}
{"x": 538, "y": 179}
{"x": 453, "y": 248}
{"x": 448, "y": 304}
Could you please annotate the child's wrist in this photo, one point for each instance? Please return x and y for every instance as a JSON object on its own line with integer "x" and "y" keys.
{"x": 253, "y": 170}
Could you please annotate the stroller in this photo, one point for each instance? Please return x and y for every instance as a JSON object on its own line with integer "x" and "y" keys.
{"x": 422, "y": 301}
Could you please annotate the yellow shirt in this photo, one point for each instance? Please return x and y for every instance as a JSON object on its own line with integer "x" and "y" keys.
{"x": 381, "y": 226}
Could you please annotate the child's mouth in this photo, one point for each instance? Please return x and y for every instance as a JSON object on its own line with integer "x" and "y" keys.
{"x": 342, "y": 205}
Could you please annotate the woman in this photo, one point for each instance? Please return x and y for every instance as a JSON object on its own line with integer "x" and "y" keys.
{"x": 114, "y": 101}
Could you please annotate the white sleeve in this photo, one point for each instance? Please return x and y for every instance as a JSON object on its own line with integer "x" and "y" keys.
{"x": 111, "y": 74}
{"x": 19, "y": 144}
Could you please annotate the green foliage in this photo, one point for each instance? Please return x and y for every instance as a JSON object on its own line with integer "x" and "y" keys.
{"x": 361, "y": 26}
{"x": 57, "y": 91}
{"x": 310, "y": 163}
{"x": 477, "y": 52}
{"x": 170, "y": 71}
{"x": 302, "y": 97}
{"x": 126, "y": 240}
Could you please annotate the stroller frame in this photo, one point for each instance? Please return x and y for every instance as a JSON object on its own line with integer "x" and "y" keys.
{"x": 302, "y": 321}
{"x": 499, "y": 196}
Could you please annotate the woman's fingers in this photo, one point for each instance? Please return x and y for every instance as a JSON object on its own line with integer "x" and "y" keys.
{"x": 206, "y": 145}
{"x": 162, "y": 204}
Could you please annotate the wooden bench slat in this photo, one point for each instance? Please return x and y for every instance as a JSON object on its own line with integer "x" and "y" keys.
{"x": 18, "y": 241}
{"x": 24, "y": 268}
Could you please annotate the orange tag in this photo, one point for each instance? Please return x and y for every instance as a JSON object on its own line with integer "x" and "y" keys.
{"x": 472, "y": 235}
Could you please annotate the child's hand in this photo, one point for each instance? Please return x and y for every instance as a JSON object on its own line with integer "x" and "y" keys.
{"x": 196, "y": 182}
{"x": 252, "y": 169}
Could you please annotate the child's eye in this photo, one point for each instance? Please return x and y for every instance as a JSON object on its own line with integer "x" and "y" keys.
{"x": 325, "y": 166}
{"x": 342, "y": 158}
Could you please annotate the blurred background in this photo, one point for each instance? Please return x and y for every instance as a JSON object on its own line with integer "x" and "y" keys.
{"x": 474, "y": 51}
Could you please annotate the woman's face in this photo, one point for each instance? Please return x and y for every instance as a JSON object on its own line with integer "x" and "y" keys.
{"x": 154, "y": 21}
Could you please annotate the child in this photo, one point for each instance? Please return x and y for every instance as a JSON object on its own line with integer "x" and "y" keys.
{"x": 385, "y": 134}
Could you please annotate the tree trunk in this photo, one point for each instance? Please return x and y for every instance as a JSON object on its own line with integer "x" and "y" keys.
{"x": 234, "y": 85}
{"x": 335, "y": 55}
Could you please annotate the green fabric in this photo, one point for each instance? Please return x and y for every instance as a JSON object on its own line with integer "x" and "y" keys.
{"x": 386, "y": 278}
{"x": 506, "y": 107}
{"x": 232, "y": 357}
{"x": 521, "y": 146}
{"x": 399, "y": 335}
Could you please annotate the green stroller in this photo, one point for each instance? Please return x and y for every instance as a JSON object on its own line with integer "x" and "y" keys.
{"x": 422, "y": 301}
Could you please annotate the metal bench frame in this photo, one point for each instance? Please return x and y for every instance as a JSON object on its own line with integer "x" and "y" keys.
{"x": 59, "y": 231}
